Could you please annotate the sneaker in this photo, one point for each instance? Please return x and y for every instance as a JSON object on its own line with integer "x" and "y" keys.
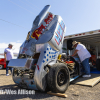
{"x": 86, "y": 76}
{"x": 7, "y": 74}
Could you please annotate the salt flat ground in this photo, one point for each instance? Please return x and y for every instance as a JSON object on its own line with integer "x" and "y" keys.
{"x": 74, "y": 92}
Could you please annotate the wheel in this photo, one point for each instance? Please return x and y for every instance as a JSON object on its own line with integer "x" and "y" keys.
{"x": 98, "y": 64}
{"x": 58, "y": 78}
{"x": 1, "y": 66}
{"x": 69, "y": 44}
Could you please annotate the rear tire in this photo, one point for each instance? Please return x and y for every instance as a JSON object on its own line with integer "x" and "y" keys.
{"x": 1, "y": 66}
{"x": 98, "y": 64}
{"x": 58, "y": 78}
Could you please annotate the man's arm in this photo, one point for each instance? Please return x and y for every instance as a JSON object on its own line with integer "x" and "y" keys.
{"x": 5, "y": 56}
{"x": 75, "y": 52}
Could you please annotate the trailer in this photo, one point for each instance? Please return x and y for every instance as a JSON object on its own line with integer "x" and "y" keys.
{"x": 91, "y": 40}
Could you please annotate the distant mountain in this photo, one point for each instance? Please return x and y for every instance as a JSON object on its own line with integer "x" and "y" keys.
{"x": 15, "y": 54}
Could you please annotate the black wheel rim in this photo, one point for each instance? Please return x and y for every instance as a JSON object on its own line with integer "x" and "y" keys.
{"x": 62, "y": 77}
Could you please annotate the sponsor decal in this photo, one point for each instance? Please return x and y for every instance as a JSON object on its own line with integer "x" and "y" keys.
{"x": 62, "y": 25}
{"x": 49, "y": 18}
{"x": 36, "y": 34}
{"x": 59, "y": 32}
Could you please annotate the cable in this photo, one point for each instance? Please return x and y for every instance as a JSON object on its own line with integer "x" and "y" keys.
{"x": 27, "y": 4}
{"x": 12, "y": 23}
{"x": 21, "y": 6}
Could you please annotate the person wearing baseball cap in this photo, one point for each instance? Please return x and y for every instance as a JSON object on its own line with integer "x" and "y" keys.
{"x": 84, "y": 56}
{"x": 10, "y": 44}
{"x": 8, "y": 55}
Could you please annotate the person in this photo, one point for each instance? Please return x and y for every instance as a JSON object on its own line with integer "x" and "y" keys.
{"x": 84, "y": 56}
{"x": 8, "y": 55}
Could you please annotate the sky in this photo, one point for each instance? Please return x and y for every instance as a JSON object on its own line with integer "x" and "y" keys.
{"x": 17, "y": 16}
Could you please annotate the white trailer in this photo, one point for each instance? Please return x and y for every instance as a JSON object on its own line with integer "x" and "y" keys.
{"x": 90, "y": 39}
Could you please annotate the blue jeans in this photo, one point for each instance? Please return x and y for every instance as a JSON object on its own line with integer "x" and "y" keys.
{"x": 7, "y": 68}
{"x": 86, "y": 66}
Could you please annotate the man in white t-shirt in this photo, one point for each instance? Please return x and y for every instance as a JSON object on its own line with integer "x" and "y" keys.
{"x": 84, "y": 56}
{"x": 8, "y": 55}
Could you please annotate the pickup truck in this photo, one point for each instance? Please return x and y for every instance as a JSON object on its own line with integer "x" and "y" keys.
{"x": 2, "y": 63}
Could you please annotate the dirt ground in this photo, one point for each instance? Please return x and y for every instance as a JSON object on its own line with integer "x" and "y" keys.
{"x": 74, "y": 92}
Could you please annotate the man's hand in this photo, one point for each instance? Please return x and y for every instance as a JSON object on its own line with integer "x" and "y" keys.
{"x": 75, "y": 52}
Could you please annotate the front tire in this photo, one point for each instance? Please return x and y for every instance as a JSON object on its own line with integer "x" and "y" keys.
{"x": 58, "y": 78}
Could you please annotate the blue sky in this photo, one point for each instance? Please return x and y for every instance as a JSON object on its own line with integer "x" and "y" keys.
{"x": 17, "y": 16}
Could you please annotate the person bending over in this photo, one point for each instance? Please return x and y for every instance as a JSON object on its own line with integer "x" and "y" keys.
{"x": 84, "y": 56}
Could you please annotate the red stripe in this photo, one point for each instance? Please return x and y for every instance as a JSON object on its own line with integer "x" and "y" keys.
{"x": 56, "y": 41}
{"x": 38, "y": 67}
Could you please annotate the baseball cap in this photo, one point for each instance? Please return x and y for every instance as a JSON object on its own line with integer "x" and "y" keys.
{"x": 10, "y": 44}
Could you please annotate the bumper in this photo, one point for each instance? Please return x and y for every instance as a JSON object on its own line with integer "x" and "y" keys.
{"x": 20, "y": 63}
